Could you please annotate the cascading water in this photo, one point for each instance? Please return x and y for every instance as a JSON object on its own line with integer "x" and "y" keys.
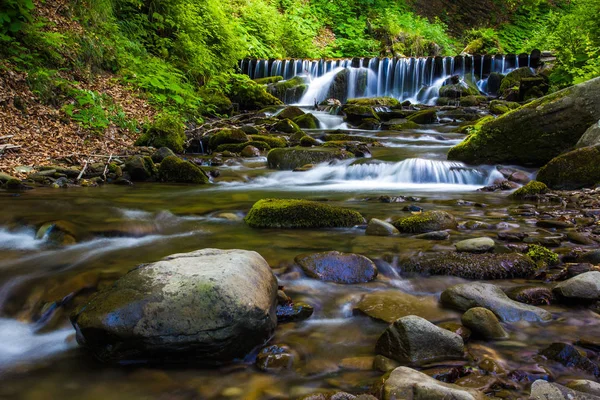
{"x": 414, "y": 79}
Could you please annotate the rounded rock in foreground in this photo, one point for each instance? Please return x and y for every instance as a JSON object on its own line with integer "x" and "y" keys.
{"x": 377, "y": 227}
{"x": 209, "y": 306}
{"x": 585, "y": 286}
{"x": 484, "y": 322}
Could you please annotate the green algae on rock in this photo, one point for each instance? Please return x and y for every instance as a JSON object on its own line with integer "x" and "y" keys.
{"x": 535, "y": 133}
{"x": 426, "y": 222}
{"x": 227, "y": 136}
{"x": 375, "y": 101}
{"x": 290, "y": 112}
{"x": 274, "y": 142}
{"x": 174, "y": 169}
{"x": 166, "y": 131}
{"x": 295, "y": 157}
{"x": 573, "y": 170}
{"x": 140, "y": 168}
{"x": 293, "y": 213}
{"x": 542, "y": 256}
{"x": 307, "y": 121}
{"x": 530, "y": 190}
{"x": 428, "y": 116}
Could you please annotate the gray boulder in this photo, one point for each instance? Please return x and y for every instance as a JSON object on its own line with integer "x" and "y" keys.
{"x": 477, "y": 294}
{"x": 406, "y": 383}
{"x": 585, "y": 286}
{"x": 542, "y": 390}
{"x": 585, "y": 386}
{"x": 591, "y": 137}
{"x": 409, "y": 341}
{"x": 208, "y": 306}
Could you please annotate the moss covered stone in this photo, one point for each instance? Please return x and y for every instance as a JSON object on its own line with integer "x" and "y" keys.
{"x": 542, "y": 256}
{"x": 292, "y": 213}
{"x": 532, "y": 189}
{"x": 286, "y": 126}
{"x": 499, "y": 107}
{"x": 268, "y": 80}
{"x": 461, "y": 89}
{"x": 274, "y": 142}
{"x": 428, "y": 116}
{"x": 345, "y": 137}
{"x": 289, "y": 91}
{"x": 472, "y": 100}
{"x": 355, "y": 114}
{"x": 295, "y": 157}
{"x": 237, "y": 148}
{"x": 369, "y": 124}
{"x": 227, "y": 136}
{"x": 140, "y": 168}
{"x": 214, "y": 103}
{"x": 375, "y": 102}
{"x": 308, "y": 141}
{"x": 573, "y": 170}
{"x": 307, "y": 121}
{"x": 251, "y": 95}
{"x": 512, "y": 81}
{"x": 290, "y": 112}
{"x": 535, "y": 133}
{"x": 403, "y": 126}
{"x": 166, "y": 131}
{"x": 174, "y": 169}
{"x": 429, "y": 221}
{"x": 161, "y": 154}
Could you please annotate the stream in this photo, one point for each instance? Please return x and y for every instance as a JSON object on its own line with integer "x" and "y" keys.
{"x": 120, "y": 227}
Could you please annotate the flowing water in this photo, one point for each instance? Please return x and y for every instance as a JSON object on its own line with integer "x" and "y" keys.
{"x": 118, "y": 228}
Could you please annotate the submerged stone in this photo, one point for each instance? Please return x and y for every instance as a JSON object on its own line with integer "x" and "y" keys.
{"x": 569, "y": 356}
{"x": 295, "y": 157}
{"x": 338, "y": 267}
{"x": 377, "y": 227}
{"x": 389, "y": 305}
{"x": 426, "y": 222}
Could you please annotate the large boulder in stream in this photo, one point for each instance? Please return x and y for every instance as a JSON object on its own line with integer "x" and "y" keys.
{"x": 338, "y": 267}
{"x": 535, "y": 133}
{"x": 472, "y": 266}
{"x": 209, "y": 306}
{"x": 174, "y": 169}
{"x": 584, "y": 287}
{"x": 573, "y": 170}
{"x": 429, "y": 221}
{"x": 298, "y": 214}
{"x": 477, "y": 294}
{"x": 296, "y": 157}
{"x": 407, "y": 383}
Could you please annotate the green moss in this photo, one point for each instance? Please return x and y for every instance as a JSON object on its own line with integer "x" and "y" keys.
{"x": 428, "y": 116}
{"x": 355, "y": 114}
{"x": 308, "y": 141}
{"x": 227, "y": 136}
{"x": 140, "y": 168}
{"x": 375, "y": 101}
{"x": 214, "y": 103}
{"x": 472, "y": 100}
{"x": 307, "y": 121}
{"x": 290, "y": 112}
{"x": 403, "y": 126}
{"x": 286, "y": 126}
{"x": 174, "y": 169}
{"x": 345, "y": 137}
{"x": 290, "y": 90}
{"x": 462, "y": 89}
{"x": 369, "y": 124}
{"x": 167, "y": 130}
{"x": 291, "y": 213}
{"x": 542, "y": 256}
{"x": 237, "y": 148}
{"x": 250, "y": 95}
{"x": 274, "y": 142}
{"x": 268, "y": 80}
{"x": 295, "y": 157}
{"x": 531, "y": 189}
{"x": 425, "y": 222}
{"x": 573, "y": 170}
{"x": 499, "y": 107}
{"x": 512, "y": 80}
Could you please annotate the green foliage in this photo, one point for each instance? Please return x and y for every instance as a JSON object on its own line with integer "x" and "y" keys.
{"x": 167, "y": 130}
{"x": 14, "y": 14}
{"x": 483, "y": 41}
{"x": 95, "y": 111}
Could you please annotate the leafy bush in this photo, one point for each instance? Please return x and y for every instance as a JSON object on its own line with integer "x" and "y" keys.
{"x": 167, "y": 130}
{"x": 95, "y": 111}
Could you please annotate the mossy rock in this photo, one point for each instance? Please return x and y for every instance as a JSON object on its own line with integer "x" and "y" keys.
{"x": 428, "y": 116}
{"x": 355, "y": 114}
{"x": 227, "y": 136}
{"x": 290, "y": 91}
{"x": 268, "y": 80}
{"x": 369, "y": 124}
{"x": 375, "y": 102}
{"x": 475, "y": 46}
{"x": 62, "y": 233}
{"x": 166, "y": 131}
{"x": 530, "y": 190}
{"x": 274, "y": 142}
{"x": 472, "y": 101}
{"x": 344, "y": 137}
{"x": 542, "y": 256}
{"x": 429, "y": 221}
{"x": 512, "y": 81}
{"x": 295, "y": 157}
{"x": 535, "y": 133}
{"x": 533, "y": 88}
{"x": 214, "y": 103}
{"x": 161, "y": 154}
{"x": 308, "y": 141}
{"x": 140, "y": 168}
{"x": 403, "y": 126}
{"x": 250, "y": 95}
{"x": 286, "y": 126}
{"x": 499, "y": 107}
{"x": 237, "y": 148}
{"x": 174, "y": 169}
{"x": 294, "y": 214}
{"x": 461, "y": 89}
{"x": 573, "y": 170}
{"x": 290, "y": 112}
{"x": 307, "y": 121}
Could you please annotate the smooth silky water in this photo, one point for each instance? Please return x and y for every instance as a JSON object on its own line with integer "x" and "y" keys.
{"x": 121, "y": 227}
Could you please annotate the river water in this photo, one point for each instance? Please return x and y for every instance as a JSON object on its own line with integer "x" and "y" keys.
{"x": 118, "y": 228}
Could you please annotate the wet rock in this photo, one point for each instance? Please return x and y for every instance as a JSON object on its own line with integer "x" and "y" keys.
{"x": 530, "y": 191}
{"x": 531, "y": 294}
{"x": 569, "y": 356}
{"x": 478, "y": 381}
{"x": 554, "y": 224}
{"x": 209, "y": 306}
{"x": 584, "y": 287}
{"x": 444, "y": 374}
{"x": 276, "y": 358}
{"x": 290, "y": 112}
{"x": 295, "y": 157}
{"x": 472, "y": 266}
{"x": 355, "y": 113}
{"x": 429, "y": 221}
{"x": 584, "y": 386}
{"x": 436, "y": 235}
{"x": 227, "y": 136}
{"x": 512, "y": 236}
{"x": 389, "y": 305}
{"x": 293, "y": 312}
{"x": 357, "y": 363}
{"x": 161, "y": 154}
{"x": 406, "y": 383}
{"x": 377, "y": 227}
{"x": 542, "y": 256}
{"x": 338, "y": 267}
{"x": 428, "y": 116}
{"x": 296, "y": 214}
{"x": 580, "y": 238}
{"x": 307, "y": 121}
{"x": 286, "y": 126}
{"x": 250, "y": 152}
{"x": 477, "y": 245}
{"x": 62, "y": 233}
{"x": 573, "y": 170}
{"x": 477, "y": 294}
{"x": 484, "y": 323}
{"x": 384, "y": 364}
{"x": 592, "y": 257}
{"x": 460, "y": 330}
{"x": 591, "y": 137}
{"x": 500, "y": 185}
{"x": 409, "y": 341}
{"x": 174, "y": 169}
{"x": 140, "y": 168}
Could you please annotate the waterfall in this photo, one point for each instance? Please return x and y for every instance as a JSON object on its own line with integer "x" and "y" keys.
{"x": 414, "y": 79}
